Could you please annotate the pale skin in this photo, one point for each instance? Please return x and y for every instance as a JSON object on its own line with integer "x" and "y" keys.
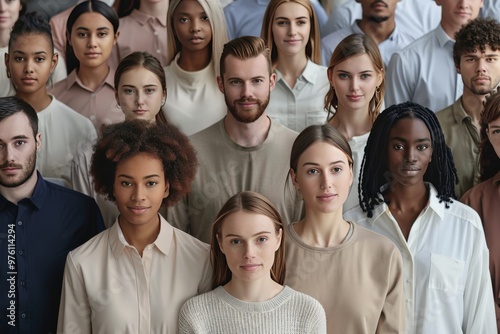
{"x": 291, "y": 28}
{"x": 455, "y": 13}
{"x": 249, "y": 241}
{"x": 354, "y": 76}
{"x": 323, "y": 177}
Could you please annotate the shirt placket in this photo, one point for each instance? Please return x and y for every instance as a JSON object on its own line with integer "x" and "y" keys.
{"x": 23, "y": 298}
{"x": 141, "y": 266}
{"x": 154, "y": 28}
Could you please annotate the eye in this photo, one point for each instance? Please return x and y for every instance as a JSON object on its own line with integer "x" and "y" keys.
{"x": 491, "y": 59}
{"x": 422, "y": 147}
{"x": 398, "y": 147}
{"x": 261, "y": 239}
{"x": 337, "y": 169}
{"x": 365, "y": 76}
{"x": 126, "y": 183}
{"x": 128, "y": 91}
{"x": 281, "y": 22}
{"x": 19, "y": 59}
{"x": 257, "y": 81}
{"x": 39, "y": 59}
{"x": 102, "y": 34}
{"x": 19, "y": 142}
{"x": 496, "y": 132}
{"x": 301, "y": 22}
{"x": 82, "y": 34}
{"x": 205, "y": 18}
{"x": 343, "y": 76}
{"x": 151, "y": 183}
{"x": 235, "y": 82}
{"x": 150, "y": 90}
{"x": 235, "y": 241}
{"x": 183, "y": 19}
{"x": 313, "y": 171}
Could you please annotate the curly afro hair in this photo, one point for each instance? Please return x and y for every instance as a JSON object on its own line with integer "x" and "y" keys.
{"x": 121, "y": 141}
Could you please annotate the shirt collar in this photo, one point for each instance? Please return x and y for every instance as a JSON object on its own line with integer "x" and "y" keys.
{"x": 442, "y": 37}
{"x": 163, "y": 241}
{"x": 434, "y": 204}
{"x": 37, "y": 197}
{"x": 144, "y": 18}
{"x": 309, "y": 74}
{"x": 458, "y": 112}
{"x": 263, "y": 2}
{"x": 73, "y": 78}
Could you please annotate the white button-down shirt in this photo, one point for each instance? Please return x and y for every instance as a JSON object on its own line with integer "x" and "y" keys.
{"x": 445, "y": 259}
{"x": 424, "y": 72}
{"x": 304, "y": 104}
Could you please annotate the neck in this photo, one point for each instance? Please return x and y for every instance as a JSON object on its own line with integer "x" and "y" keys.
{"x": 247, "y": 134}
{"x": 351, "y": 123}
{"x": 139, "y": 236}
{"x": 322, "y": 229}
{"x": 473, "y": 105}
{"x": 291, "y": 67}
{"x": 93, "y": 77}
{"x": 4, "y": 38}
{"x": 155, "y": 9}
{"x": 25, "y": 190}
{"x": 379, "y": 31}
{"x": 407, "y": 198}
{"x": 194, "y": 60}
{"x": 39, "y": 100}
{"x": 253, "y": 291}
{"x": 449, "y": 29}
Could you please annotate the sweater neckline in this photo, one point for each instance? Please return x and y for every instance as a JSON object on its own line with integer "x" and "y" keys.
{"x": 257, "y": 307}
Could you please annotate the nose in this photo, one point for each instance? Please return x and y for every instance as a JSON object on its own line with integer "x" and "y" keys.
{"x": 247, "y": 90}
{"x": 6, "y": 154}
{"x": 28, "y": 68}
{"x": 354, "y": 84}
{"x": 411, "y": 154}
{"x": 326, "y": 182}
{"x": 140, "y": 98}
{"x": 138, "y": 193}
{"x": 249, "y": 251}
{"x": 92, "y": 41}
{"x": 195, "y": 26}
{"x": 481, "y": 65}
{"x": 292, "y": 29}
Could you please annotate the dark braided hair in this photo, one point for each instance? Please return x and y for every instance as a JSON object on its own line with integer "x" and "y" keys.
{"x": 441, "y": 171}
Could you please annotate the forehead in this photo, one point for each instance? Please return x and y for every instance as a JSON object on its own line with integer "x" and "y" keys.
{"x": 14, "y": 126}
{"x": 477, "y": 51}
{"x": 410, "y": 129}
{"x": 291, "y": 9}
{"x": 322, "y": 152}
{"x": 139, "y": 76}
{"x": 358, "y": 63}
{"x": 246, "y": 223}
{"x": 140, "y": 165}
{"x": 92, "y": 21}
{"x": 246, "y": 68}
{"x": 31, "y": 43}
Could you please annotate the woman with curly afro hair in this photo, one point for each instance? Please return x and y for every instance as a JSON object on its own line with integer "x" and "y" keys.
{"x": 135, "y": 276}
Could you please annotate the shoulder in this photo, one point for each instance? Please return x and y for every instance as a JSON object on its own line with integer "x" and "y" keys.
{"x": 476, "y": 193}
{"x": 192, "y": 245}
{"x": 91, "y": 250}
{"x": 68, "y": 197}
{"x": 284, "y": 132}
{"x": 460, "y": 213}
{"x": 413, "y": 51}
{"x": 305, "y": 301}
{"x": 206, "y": 135}
{"x": 71, "y": 114}
{"x": 444, "y": 114}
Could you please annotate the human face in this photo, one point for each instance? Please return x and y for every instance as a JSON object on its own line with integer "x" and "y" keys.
{"x": 140, "y": 94}
{"x": 456, "y": 13}
{"x": 291, "y": 28}
{"x": 378, "y": 10}
{"x": 30, "y": 62}
{"x": 323, "y": 177}
{"x": 139, "y": 189}
{"x": 409, "y": 151}
{"x": 480, "y": 70}
{"x": 9, "y": 13}
{"x": 355, "y": 81}
{"x": 249, "y": 241}
{"x": 246, "y": 85}
{"x": 192, "y": 25}
{"x": 92, "y": 39}
{"x": 18, "y": 147}
{"x": 493, "y": 132}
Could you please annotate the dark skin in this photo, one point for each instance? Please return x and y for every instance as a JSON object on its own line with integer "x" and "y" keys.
{"x": 409, "y": 153}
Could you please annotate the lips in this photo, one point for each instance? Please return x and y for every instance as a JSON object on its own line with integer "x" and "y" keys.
{"x": 250, "y": 267}
{"x": 10, "y": 169}
{"x": 92, "y": 54}
{"x": 326, "y": 197}
{"x": 140, "y": 111}
{"x": 481, "y": 79}
{"x": 28, "y": 80}
{"x": 138, "y": 209}
{"x": 354, "y": 97}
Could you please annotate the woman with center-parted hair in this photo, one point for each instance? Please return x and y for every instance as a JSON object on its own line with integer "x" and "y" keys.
{"x": 135, "y": 276}
{"x": 248, "y": 259}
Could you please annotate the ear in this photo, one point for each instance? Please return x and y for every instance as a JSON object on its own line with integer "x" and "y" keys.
{"x": 272, "y": 81}
{"x": 116, "y": 97}
{"x": 68, "y": 38}
{"x": 220, "y": 83}
{"x": 115, "y": 39}
{"x": 380, "y": 77}
{"x": 6, "y": 61}
{"x": 293, "y": 176}
{"x": 55, "y": 60}
{"x": 330, "y": 77}
{"x": 167, "y": 190}
{"x": 457, "y": 68}
{"x": 38, "y": 140}
{"x": 278, "y": 238}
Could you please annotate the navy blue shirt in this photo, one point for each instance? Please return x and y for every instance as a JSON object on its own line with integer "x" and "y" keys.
{"x": 36, "y": 235}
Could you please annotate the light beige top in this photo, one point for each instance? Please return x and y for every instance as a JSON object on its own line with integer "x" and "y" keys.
{"x": 359, "y": 282}
{"x": 99, "y": 106}
{"x": 141, "y": 32}
{"x": 109, "y": 288}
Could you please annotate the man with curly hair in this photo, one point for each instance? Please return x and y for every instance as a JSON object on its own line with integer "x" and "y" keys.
{"x": 476, "y": 54}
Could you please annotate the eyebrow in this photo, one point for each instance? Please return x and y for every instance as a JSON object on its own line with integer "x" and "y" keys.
{"x": 253, "y": 78}
{"x": 317, "y": 164}
{"x": 404, "y": 140}
{"x": 188, "y": 14}
{"x": 286, "y": 18}
{"x": 145, "y": 177}
{"x": 366, "y": 71}
{"x": 148, "y": 85}
{"x": 239, "y": 236}
{"x": 17, "y": 137}
{"x": 23, "y": 53}
{"x": 87, "y": 29}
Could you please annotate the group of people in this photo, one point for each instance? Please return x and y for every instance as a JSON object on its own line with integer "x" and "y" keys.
{"x": 181, "y": 178}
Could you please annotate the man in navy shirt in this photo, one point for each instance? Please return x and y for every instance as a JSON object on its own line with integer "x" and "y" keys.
{"x": 40, "y": 222}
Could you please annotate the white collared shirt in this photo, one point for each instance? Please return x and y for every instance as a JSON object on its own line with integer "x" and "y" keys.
{"x": 424, "y": 72}
{"x": 445, "y": 266}
{"x": 304, "y": 104}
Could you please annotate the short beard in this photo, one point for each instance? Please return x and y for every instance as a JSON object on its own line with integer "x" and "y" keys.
{"x": 247, "y": 117}
{"x": 378, "y": 19}
{"x": 27, "y": 173}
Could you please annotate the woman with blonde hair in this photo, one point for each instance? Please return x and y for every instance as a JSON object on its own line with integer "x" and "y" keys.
{"x": 290, "y": 29}
{"x": 248, "y": 259}
{"x": 357, "y": 79}
{"x": 196, "y": 34}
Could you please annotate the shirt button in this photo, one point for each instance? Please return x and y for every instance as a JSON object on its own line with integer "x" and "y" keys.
{"x": 92, "y": 117}
{"x": 23, "y": 283}
{"x": 156, "y": 33}
{"x": 158, "y": 51}
{"x": 21, "y": 252}
{"x": 92, "y": 95}
{"x": 19, "y": 223}
{"x": 23, "y": 315}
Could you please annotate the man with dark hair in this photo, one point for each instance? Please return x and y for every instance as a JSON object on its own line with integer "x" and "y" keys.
{"x": 40, "y": 223}
{"x": 476, "y": 54}
{"x": 246, "y": 150}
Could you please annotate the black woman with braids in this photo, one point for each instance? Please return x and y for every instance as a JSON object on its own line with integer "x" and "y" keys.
{"x": 406, "y": 194}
